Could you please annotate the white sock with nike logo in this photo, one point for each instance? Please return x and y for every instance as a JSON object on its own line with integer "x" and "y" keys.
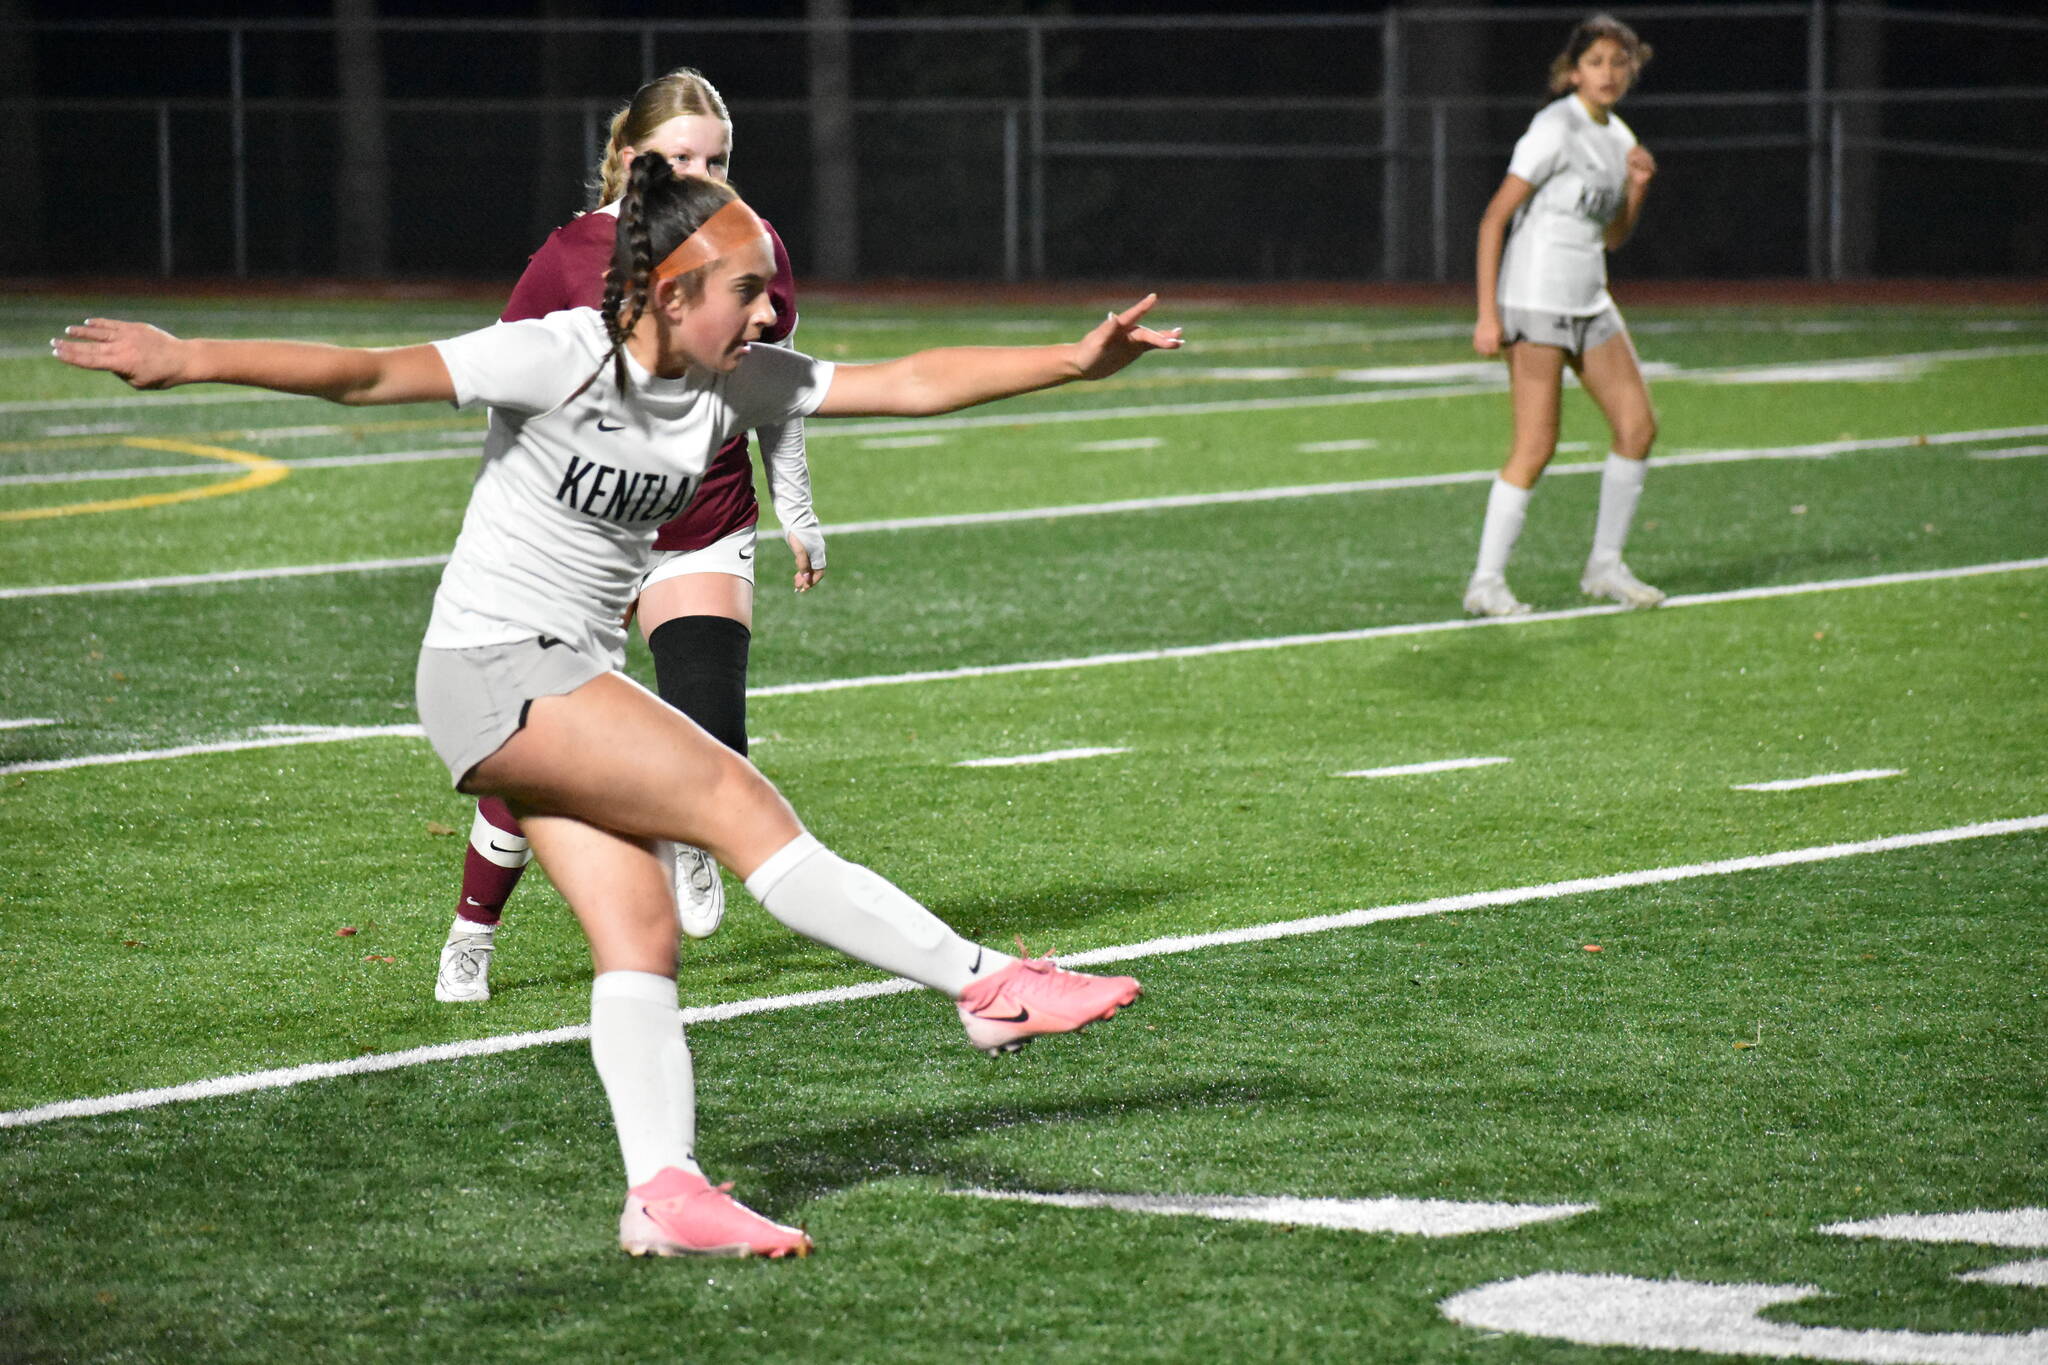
{"x": 845, "y": 906}
{"x": 636, "y": 1039}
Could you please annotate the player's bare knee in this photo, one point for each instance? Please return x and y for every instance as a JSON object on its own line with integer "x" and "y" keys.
{"x": 1634, "y": 439}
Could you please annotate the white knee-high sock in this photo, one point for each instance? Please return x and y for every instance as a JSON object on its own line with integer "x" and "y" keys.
{"x": 843, "y": 905}
{"x": 1506, "y": 508}
{"x": 636, "y": 1039}
{"x": 1621, "y": 488}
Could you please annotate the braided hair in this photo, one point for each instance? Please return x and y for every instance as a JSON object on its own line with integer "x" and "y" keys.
{"x": 659, "y": 210}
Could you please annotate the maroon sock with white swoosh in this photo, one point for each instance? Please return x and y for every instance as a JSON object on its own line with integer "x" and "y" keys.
{"x": 491, "y": 867}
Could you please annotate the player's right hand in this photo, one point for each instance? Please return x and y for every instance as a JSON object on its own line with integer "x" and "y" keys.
{"x": 1486, "y": 336}
{"x": 146, "y": 357}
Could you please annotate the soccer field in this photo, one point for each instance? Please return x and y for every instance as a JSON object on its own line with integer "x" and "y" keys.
{"x": 1585, "y": 986}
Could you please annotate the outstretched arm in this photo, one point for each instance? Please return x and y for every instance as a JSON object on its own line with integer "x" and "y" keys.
{"x": 961, "y": 376}
{"x": 150, "y": 358}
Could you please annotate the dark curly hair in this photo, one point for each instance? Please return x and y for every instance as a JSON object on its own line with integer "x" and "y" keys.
{"x": 1590, "y": 31}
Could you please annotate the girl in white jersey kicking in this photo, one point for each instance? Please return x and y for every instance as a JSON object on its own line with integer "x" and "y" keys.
{"x": 1573, "y": 192}
{"x": 603, "y": 422}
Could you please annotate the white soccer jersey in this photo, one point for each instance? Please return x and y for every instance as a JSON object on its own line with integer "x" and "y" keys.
{"x": 1556, "y": 255}
{"x": 561, "y": 523}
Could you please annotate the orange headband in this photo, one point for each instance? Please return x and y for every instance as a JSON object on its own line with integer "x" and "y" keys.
{"x": 723, "y": 233}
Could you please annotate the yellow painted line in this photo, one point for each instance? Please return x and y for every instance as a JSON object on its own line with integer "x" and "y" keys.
{"x": 242, "y": 433}
{"x": 263, "y": 471}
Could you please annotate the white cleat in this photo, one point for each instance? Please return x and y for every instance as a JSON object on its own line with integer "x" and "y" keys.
{"x": 1612, "y": 580}
{"x": 1489, "y": 596}
{"x": 465, "y": 975}
{"x": 700, "y": 892}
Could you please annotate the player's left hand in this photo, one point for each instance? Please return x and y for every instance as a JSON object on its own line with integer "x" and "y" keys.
{"x": 808, "y": 545}
{"x": 1120, "y": 339}
{"x": 1641, "y": 166}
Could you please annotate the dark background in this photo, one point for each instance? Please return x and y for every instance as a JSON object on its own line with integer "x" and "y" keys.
{"x": 484, "y": 137}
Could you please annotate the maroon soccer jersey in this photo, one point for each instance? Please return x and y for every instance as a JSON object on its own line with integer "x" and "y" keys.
{"x": 568, "y": 272}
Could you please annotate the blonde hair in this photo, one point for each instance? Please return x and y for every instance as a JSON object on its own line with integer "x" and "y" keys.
{"x": 683, "y": 91}
{"x": 1590, "y": 31}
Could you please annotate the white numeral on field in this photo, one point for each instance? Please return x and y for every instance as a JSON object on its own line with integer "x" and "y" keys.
{"x": 1684, "y": 1315}
{"x": 1681, "y": 1315}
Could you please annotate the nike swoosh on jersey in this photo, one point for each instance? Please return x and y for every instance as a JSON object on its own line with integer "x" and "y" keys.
{"x": 550, "y": 641}
{"x": 619, "y": 426}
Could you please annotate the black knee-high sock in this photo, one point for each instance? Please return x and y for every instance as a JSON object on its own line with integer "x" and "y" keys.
{"x": 700, "y": 668}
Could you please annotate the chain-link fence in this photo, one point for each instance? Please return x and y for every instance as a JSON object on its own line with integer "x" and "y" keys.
{"x": 1794, "y": 139}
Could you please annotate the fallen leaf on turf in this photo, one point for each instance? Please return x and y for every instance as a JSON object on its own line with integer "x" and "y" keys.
{"x": 439, "y": 830}
{"x": 374, "y": 958}
{"x": 346, "y": 931}
{"x": 1594, "y": 948}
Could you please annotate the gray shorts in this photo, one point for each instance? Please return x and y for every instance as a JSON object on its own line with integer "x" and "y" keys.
{"x": 472, "y": 700}
{"x": 1572, "y": 335}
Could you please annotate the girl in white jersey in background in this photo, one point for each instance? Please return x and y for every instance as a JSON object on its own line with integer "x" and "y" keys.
{"x": 603, "y": 422}
{"x": 1573, "y": 191}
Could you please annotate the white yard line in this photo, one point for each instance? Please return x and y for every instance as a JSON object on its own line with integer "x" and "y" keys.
{"x": 1121, "y": 657}
{"x": 1442, "y": 765}
{"x": 131, "y": 400}
{"x": 1793, "y": 784}
{"x": 1415, "y": 1217}
{"x": 2010, "y": 453}
{"x": 1157, "y": 947}
{"x": 25, "y": 723}
{"x": 327, "y": 734}
{"x": 1124, "y": 443}
{"x": 1050, "y": 756}
{"x": 217, "y": 470}
{"x": 1384, "y": 632}
{"x": 192, "y": 580}
{"x": 1817, "y": 450}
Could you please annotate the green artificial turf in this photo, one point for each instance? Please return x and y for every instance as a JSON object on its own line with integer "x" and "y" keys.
{"x": 1746, "y": 1057}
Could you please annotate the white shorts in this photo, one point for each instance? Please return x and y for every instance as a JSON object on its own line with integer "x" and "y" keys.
{"x": 734, "y": 554}
{"x": 1569, "y": 333}
{"x": 472, "y": 700}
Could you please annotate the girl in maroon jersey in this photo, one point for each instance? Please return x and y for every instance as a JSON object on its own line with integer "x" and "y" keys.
{"x": 696, "y": 609}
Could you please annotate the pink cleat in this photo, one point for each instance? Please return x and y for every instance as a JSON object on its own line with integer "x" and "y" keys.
{"x": 679, "y": 1213}
{"x": 1009, "y": 1008}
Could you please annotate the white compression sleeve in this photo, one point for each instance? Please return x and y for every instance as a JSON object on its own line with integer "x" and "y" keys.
{"x": 843, "y": 905}
{"x": 789, "y": 485}
{"x": 636, "y": 1039}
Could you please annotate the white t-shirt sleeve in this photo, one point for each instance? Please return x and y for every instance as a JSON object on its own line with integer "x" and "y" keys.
{"x": 527, "y": 366}
{"x": 1540, "y": 153}
{"x": 773, "y": 385}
